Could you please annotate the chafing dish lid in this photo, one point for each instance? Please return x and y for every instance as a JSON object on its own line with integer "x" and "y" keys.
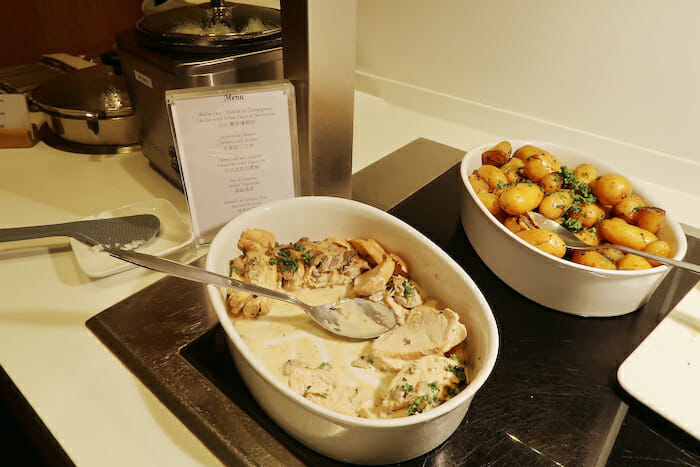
{"x": 208, "y": 26}
{"x": 94, "y": 91}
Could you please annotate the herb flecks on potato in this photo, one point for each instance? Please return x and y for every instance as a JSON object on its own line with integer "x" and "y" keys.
{"x": 597, "y": 208}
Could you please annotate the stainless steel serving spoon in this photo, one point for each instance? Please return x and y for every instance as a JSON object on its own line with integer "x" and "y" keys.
{"x": 572, "y": 242}
{"x": 355, "y": 318}
{"x": 113, "y": 231}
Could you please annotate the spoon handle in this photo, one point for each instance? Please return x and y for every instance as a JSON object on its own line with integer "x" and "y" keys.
{"x": 36, "y": 231}
{"x": 185, "y": 271}
{"x": 661, "y": 259}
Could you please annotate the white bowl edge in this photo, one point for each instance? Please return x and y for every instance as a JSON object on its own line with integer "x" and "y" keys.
{"x": 246, "y": 220}
{"x": 672, "y": 229}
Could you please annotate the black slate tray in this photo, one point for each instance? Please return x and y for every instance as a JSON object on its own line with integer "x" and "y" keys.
{"x": 552, "y": 399}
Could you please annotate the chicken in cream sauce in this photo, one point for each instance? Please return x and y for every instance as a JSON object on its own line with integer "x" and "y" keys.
{"x": 411, "y": 369}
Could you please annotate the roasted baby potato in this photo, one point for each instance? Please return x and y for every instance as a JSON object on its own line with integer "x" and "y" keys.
{"x": 611, "y": 188}
{"x": 660, "y": 248}
{"x": 592, "y": 259}
{"x": 586, "y": 173}
{"x": 589, "y": 236}
{"x": 515, "y": 224}
{"x": 547, "y": 241}
{"x": 520, "y": 198}
{"x": 622, "y": 233}
{"x": 550, "y": 182}
{"x": 497, "y": 155}
{"x": 628, "y": 208}
{"x": 491, "y": 202}
{"x": 527, "y": 151}
{"x": 631, "y": 262}
{"x": 478, "y": 184}
{"x": 539, "y": 165}
{"x": 612, "y": 254}
{"x": 589, "y": 214}
{"x": 512, "y": 168}
{"x": 555, "y": 205}
{"x": 649, "y": 218}
{"x": 491, "y": 175}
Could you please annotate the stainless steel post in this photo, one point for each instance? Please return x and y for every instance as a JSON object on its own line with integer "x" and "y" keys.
{"x": 318, "y": 46}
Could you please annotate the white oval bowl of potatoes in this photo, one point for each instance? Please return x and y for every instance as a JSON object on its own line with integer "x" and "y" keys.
{"x": 505, "y": 179}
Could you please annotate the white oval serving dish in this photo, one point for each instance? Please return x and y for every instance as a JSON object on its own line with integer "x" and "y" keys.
{"x": 342, "y": 437}
{"x": 550, "y": 281}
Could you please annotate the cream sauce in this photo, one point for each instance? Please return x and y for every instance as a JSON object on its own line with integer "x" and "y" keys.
{"x": 288, "y": 333}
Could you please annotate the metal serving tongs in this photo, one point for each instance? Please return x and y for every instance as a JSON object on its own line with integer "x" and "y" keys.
{"x": 127, "y": 231}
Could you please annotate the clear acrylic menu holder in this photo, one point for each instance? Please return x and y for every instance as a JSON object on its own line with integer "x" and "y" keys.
{"x": 237, "y": 149}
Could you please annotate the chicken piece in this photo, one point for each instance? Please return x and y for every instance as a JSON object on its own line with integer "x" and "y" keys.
{"x": 422, "y": 385}
{"x": 374, "y": 280}
{"x": 293, "y": 363}
{"x": 427, "y": 331}
{"x": 433, "y": 303}
{"x": 255, "y": 268}
{"x": 370, "y": 249}
{"x": 316, "y": 279}
{"x": 259, "y": 271}
{"x": 322, "y": 387}
{"x": 256, "y": 306}
{"x": 236, "y": 298}
{"x": 406, "y": 292}
{"x": 401, "y": 266}
{"x": 399, "y": 312}
{"x": 355, "y": 265}
{"x": 289, "y": 260}
{"x": 256, "y": 240}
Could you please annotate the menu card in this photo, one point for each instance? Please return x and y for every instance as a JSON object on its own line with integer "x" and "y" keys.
{"x": 237, "y": 149}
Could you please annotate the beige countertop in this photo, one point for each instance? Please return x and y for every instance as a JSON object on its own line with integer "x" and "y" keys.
{"x": 96, "y": 409}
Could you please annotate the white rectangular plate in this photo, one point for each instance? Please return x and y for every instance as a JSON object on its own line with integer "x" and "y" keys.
{"x": 664, "y": 371}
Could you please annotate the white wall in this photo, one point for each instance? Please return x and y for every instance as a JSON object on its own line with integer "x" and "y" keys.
{"x": 628, "y": 71}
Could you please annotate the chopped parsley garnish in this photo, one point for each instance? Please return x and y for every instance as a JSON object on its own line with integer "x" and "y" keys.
{"x": 459, "y": 371}
{"x": 416, "y": 405}
{"x": 579, "y": 190}
{"x": 325, "y": 366}
{"x": 500, "y": 185}
{"x": 406, "y": 388}
{"x": 408, "y": 289}
{"x": 284, "y": 261}
{"x": 298, "y": 247}
{"x": 581, "y": 194}
{"x": 434, "y": 386}
{"x": 573, "y": 225}
{"x": 307, "y": 257}
{"x": 574, "y": 208}
{"x": 234, "y": 268}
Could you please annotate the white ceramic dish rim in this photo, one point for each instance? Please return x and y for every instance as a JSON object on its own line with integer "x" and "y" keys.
{"x": 679, "y": 236}
{"x": 463, "y": 397}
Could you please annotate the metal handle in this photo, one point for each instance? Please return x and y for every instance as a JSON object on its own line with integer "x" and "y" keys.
{"x": 37, "y": 231}
{"x": 673, "y": 262}
{"x": 184, "y": 271}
